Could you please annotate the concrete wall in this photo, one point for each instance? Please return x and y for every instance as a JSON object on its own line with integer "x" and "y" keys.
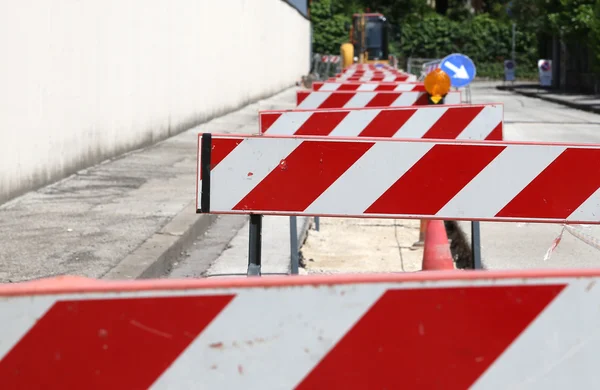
{"x": 82, "y": 81}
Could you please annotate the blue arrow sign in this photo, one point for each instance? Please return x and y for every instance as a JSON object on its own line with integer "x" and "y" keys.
{"x": 460, "y": 68}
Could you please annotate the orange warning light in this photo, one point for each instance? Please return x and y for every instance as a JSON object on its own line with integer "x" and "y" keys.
{"x": 437, "y": 84}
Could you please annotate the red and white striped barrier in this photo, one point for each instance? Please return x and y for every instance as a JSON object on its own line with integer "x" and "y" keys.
{"x": 477, "y": 121}
{"x": 330, "y": 59}
{"x": 369, "y": 67}
{"x": 399, "y": 178}
{"x": 368, "y": 87}
{"x": 380, "y": 78}
{"x": 350, "y": 99}
{"x": 451, "y": 330}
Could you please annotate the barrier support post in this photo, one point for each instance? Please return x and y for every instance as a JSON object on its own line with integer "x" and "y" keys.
{"x": 317, "y": 223}
{"x": 476, "y": 244}
{"x": 255, "y": 247}
{"x": 294, "y": 261}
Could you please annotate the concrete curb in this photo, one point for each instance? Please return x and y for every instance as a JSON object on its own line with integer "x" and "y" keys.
{"x": 156, "y": 255}
{"x": 551, "y": 99}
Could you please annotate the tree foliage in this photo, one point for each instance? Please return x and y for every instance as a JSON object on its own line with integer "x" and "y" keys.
{"x": 485, "y": 36}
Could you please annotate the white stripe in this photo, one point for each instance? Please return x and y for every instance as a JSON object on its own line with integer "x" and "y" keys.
{"x": 452, "y": 97}
{"x": 361, "y": 185}
{"x": 354, "y": 123}
{"x": 404, "y": 87}
{"x": 558, "y": 350}
{"x": 483, "y": 124}
{"x": 360, "y": 99}
{"x": 329, "y": 87}
{"x": 260, "y": 330}
{"x": 406, "y": 99}
{"x": 420, "y": 122}
{"x": 314, "y": 99}
{"x": 253, "y": 159}
{"x": 589, "y": 210}
{"x": 288, "y": 123}
{"x": 367, "y": 87}
{"x": 17, "y": 316}
{"x": 499, "y": 182}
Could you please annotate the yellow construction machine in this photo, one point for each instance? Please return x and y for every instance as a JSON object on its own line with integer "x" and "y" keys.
{"x": 368, "y": 40}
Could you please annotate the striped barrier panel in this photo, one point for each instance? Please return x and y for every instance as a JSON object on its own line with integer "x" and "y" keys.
{"x": 368, "y": 87}
{"x": 451, "y": 330}
{"x": 478, "y": 122}
{"x": 351, "y": 99}
{"x": 398, "y": 178}
{"x": 380, "y": 78}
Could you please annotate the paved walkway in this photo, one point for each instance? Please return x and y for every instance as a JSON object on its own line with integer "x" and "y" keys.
{"x": 126, "y": 218}
{"x": 589, "y": 103}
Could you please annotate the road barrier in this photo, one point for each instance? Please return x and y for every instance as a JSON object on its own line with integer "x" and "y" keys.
{"x": 368, "y": 87}
{"x": 498, "y": 330}
{"x": 350, "y": 99}
{"x": 478, "y": 122}
{"x": 344, "y": 177}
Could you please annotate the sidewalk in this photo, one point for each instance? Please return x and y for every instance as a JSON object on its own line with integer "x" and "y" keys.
{"x": 126, "y": 218}
{"x": 358, "y": 245}
{"x": 590, "y": 103}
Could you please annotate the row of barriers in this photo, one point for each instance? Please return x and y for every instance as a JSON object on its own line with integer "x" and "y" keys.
{"x": 366, "y": 144}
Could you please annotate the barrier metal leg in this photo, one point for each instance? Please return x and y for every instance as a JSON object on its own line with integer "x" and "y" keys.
{"x": 295, "y": 262}
{"x": 255, "y": 247}
{"x": 476, "y": 244}
{"x": 317, "y": 223}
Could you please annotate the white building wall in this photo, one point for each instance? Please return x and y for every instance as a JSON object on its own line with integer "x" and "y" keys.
{"x": 85, "y": 80}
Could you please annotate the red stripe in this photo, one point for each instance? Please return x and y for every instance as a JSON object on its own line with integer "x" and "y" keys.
{"x": 300, "y": 96}
{"x": 434, "y": 338}
{"x": 348, "y": 87}
{"x": 221, "y": 147}
{"x": 496, "y": 134}
{"x": 304, "y": 175}
{"x": 337, "y": 100}
{"x": 452, "y": 122}
{"x": 321, "y": 123}
{"x": 386, "y": 87}
{"x": 383, "y": 99}
{"x": 267, "y": 120}
{"x": 387, "y": 123}
{"x": 124, "y": 343}
{"x": 317, "y": 85}
{"x": 426, "y": 187}
{"x": 560, "y": 189}
{"x": 422, "y": 100}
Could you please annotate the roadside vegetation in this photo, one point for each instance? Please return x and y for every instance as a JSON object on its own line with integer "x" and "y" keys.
{"x": 482, "y": 31}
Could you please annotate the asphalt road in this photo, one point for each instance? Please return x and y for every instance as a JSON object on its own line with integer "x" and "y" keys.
{"x": 518, "y": 246}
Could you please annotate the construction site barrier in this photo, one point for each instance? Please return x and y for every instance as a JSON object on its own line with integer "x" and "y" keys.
{"x": 394, "y": 178}
{"x": 476, "y": 122}
{"x": 368, "y": 87}
{"x": 352, "y": 99}
{"x": 437, "y": 329}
